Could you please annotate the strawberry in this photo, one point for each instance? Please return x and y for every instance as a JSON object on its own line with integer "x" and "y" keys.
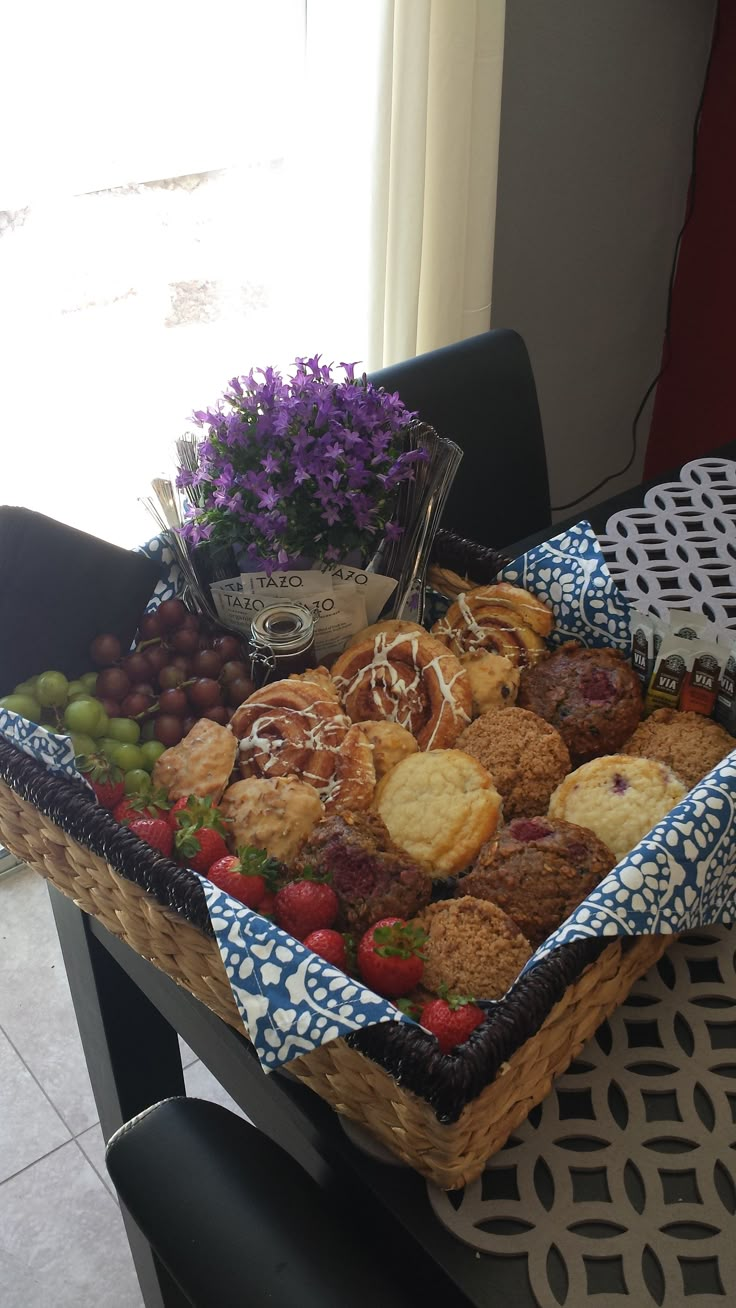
{"x": 451, "y": 1018}
{"x": 193, "y": 811}
{"x": 304, "y": 906}
{"x": 198, "y": 847}
{"x": 245, "y": 875}
{"x": 267, "y": 904}
{"x": 156, "y": 832}
{"x": 330, "y": 945}
{"x": 389, "y": 957}
{"x": 105, "y": 778}
{"x": 154, "y": 804}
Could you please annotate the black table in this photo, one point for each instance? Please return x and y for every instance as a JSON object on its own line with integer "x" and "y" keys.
{"x": 129, "y": 1014}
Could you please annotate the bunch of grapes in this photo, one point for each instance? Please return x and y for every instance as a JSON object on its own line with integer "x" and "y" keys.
{"x": 180, "y": 669}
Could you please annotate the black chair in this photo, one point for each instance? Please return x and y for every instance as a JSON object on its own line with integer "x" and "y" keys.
{"x": 480, "y": 393}
{"x": 238, "y": 1224}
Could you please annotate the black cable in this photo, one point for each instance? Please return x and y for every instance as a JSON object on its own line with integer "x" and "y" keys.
{"x": 667, "y": 351}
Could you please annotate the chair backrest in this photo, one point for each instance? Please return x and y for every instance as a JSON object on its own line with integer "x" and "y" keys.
{"x": 480, "y": 393}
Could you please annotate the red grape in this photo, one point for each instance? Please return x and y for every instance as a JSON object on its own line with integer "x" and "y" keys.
{"x": 151, "y": 626}
{"x": 239, "y": 690}
{"x": 105, "y": 650}
{"x": 207, "y": 663}
{"x": 179, "y": 661}
{"x": 172, "y": 613}
{"x": 217, "y": 714}
{"x": 232, "y": 670}
{"x": 188, "y": 723}
{"x": 143, "y": 688}
{"x": 135, "y": 704}
{"x": 156, "y": 658}
{"x": 111, "y": 706}
{"x": 168, "y": 730}
{"x": 171, "y": 676}
{"x": 204, "y": 693}
{"x": 136, "y": 666}
{"x": 112, "y": 683}
{"x": 185, "y": 641}
{"x": 228, "y": 647}
{"x": 174, "y": 702}
{"x": 190, "y": 623}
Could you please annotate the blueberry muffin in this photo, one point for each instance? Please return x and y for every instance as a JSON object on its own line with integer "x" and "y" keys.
{"x": 620, "y": 798}
{"x": 525, "y": 756}
{"x": 592, "y": 696}
{"x": 538, "y": 870}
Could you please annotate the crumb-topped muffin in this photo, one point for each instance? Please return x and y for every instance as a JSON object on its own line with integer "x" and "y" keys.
{"x": 688, "y": 743}
{"x": 472, "y": 947}
{"x": 538, "y": 870}
{"x": 592, "y": 696}
{"x": 525, "y": 756}
{"x": 620, "y": 798}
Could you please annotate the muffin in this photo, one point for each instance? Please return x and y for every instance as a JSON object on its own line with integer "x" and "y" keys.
{"x": 538, "y": 870}
{"x": 472, "y": 947}
{"x": 494, "y": 680}
{"x": 620, "y": 798}
{"x": 525, "y": 756}
{"x": 687, "y": 742}
{"x": 370, "y": 875}
{"x": 390, "y": 744}
{"x": 592, "y": 696}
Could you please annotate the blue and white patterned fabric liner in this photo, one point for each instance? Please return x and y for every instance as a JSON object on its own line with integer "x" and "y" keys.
{"x": 56, "y": 753}
{"x": 172, "y": 582}
{"x": 290, "y": 1000}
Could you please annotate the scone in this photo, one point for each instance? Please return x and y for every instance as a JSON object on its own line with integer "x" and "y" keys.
{"x": 390, "y": 744}
{"x": 592, "y": 696}
{"x": 440, "y": 807}
{"x": 472, "y": 947}
{"x": 687, "y": 742}
{"x": 200, "y": 764}
{"x": 277, "y": 814}
{"x": 494, "y": 680}
{"x": 538, "y": 870}
{"x": 618, "y": 797}
{"x": 525, "y": 756}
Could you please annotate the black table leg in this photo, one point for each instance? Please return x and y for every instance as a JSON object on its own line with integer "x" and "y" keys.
{"x": 132, "y": 1057}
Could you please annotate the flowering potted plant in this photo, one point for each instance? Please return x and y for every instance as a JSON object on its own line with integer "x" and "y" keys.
{"x": 303, "y": 465}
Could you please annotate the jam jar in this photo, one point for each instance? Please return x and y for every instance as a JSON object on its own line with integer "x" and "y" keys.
{"x": 282, "y": 642}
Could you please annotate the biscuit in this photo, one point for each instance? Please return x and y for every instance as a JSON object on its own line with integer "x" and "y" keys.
{"x": 494, "y": 680}
{"x": 525, "y": 756}
{"x": 390, "y": 744}
{"x": 618, "y": 797}
{"x": 277, "y": 814}
{"x": 199, "y": 765}
{"x": 472, "y": 947}
{"x": 440, "y": 807}
{"x": 687, "y": 742}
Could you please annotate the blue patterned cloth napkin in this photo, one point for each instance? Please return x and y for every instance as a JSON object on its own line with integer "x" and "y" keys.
{"x": 56, "y": 753}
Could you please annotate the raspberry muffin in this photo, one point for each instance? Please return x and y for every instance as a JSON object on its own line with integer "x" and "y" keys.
{"x": 592, "y": 696}
{"x": 472, "y": 947}
{"x": 620, "y": 798}
{"x": 538, "y": 870}
{"x": 525, "y": 756}
{"x": 687, "y": 742}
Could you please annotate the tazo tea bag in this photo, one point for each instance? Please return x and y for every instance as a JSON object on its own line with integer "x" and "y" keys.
{"x": 642, "y": 645}
{"x": 726, "y": 699}
{"x": 341, "y": 621}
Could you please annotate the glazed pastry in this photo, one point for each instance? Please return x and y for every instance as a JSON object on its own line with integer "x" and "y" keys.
{"x": 618, "y": 797}
{"x": 538, "y": 870}
{"x": 525, "y": 756}
{"x": 199, "y": 765}
{"x": 472, "y": 947}
{"x": 502, "y": 619}
{"x": 277, "y": 815}
{"x": 687, "y": 742}
{"x": 494, "y": 681}
{"x": 440, "y": 807}
{"x": 389, "y": 627}
{"x": 408, "y": 678}
{"x": 370, "y": 875}
{"x": 319, "y": 677}
{"x": 390, "y": 744}
{"x": 592, "y": 696}
{"x": 295, "y": 728}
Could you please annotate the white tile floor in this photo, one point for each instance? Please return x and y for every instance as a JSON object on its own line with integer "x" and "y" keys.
{"x": 62, "y": 1240}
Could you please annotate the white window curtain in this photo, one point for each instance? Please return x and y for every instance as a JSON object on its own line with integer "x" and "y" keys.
{"x": 346, "y": 156}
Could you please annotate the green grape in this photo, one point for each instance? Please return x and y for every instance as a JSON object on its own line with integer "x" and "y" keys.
{"x": 129, "y": 757}
{"x": 137, "y": 782}
{"x": 51, "y": 690}
{"x": 89, "y": 681}
{"x": 103, "y": 721}
{"x": 125, "y": 730}
{"x": 149, "y": 728}
{"x": 26, "y": 688}
{"x": 83, "y": 715}
{"x": 83, "y": 744}
{"x": 107, "y": 746}
{"x": 26, "y": 705}
{"x": 151, "y": 750}
{"x": 75, "y": 689}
